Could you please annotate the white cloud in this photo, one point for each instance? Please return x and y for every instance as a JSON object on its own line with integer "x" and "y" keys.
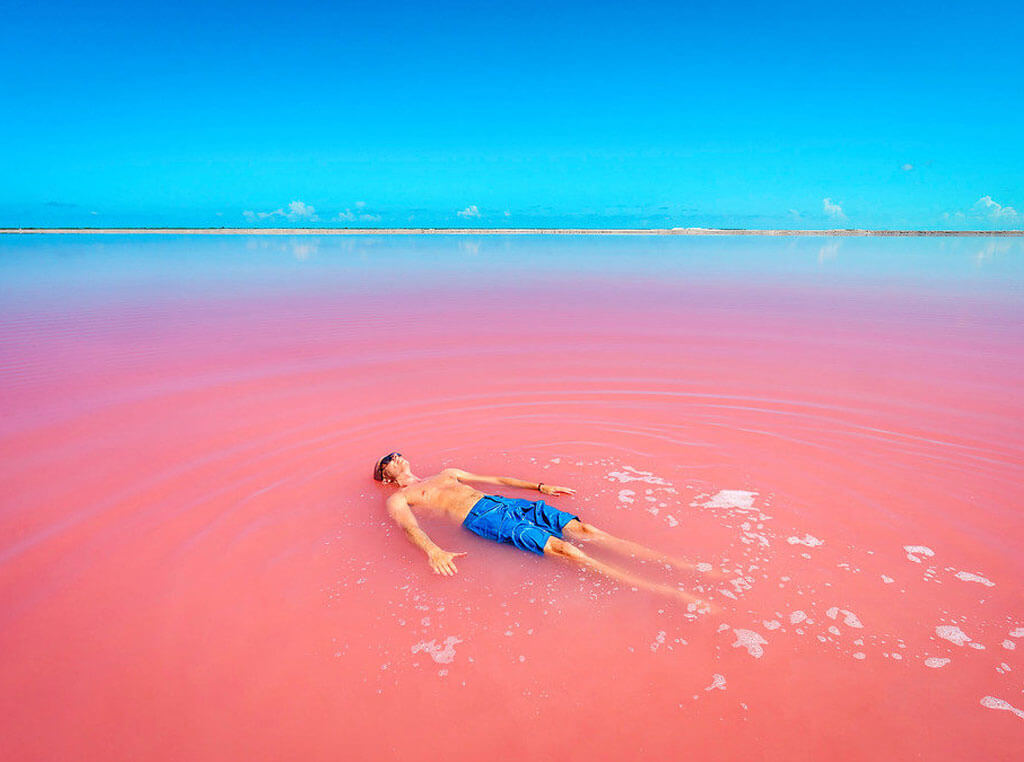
{"x": 295, "y": 211}
{"x": 360, "y": 214}
{"x": 833, "y": 209}
{"x": 907, "y": 167}
{"x": 996, "y": 211}
{"x": 469, "y": 211}
{"x": 298, "y": 210}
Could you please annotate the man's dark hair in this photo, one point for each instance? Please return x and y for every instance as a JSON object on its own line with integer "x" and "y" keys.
{"x": 378, "y": 470}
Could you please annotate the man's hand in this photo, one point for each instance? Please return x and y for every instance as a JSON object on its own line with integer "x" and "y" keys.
{"x": 441, "y": 562}
{"x": 551, "y": 489}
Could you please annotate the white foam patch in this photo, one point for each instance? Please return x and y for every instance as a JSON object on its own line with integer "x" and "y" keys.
{"x": 887, "y": 579}
{"x": 1017, "y": 633}
{"x": 738, "y": 499}
{"x": 953, "y": 634}
{"x": 913, "y": 551}
{"x": 771, "y": 624}
{"x": 717, "y": 682}
{"x": 1009, "y": 645}
{"x": 992, "y": 702}
{"x": 860, "y": 655}
{"x": 671, "y": 520}
{"x": 809, "y": 540}
{"x": 970, "y": 577}
{"x": 630, "y": 474}
{"x": 849, "y": 618}
{"x": 442, "y": 654}
{"x": 797, "y": 617}
{"x": 935, "y": 662}
{"x": 750, "y": 640}
{"x": 626, "y": 496}
{"x": 658, "y": 640}
{"x": 703, "y": 566}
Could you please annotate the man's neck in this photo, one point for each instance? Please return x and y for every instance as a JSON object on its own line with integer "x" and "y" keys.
{"x": 404, "y": 480}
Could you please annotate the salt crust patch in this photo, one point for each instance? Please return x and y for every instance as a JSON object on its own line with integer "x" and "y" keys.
{"x": 797, "y": 617}
{"x": 809, "y": 540}
{"x": 1009, "y": 645}
{"x": 955, "y": 635}
{"x": 630, "y": 474}
{"x": 887, "y": 580}
{"x": 717, "y": 682}
{"x": 732, "y": 498}
{"x": 969, "y": 577}
{"x": 626, "y": 496}
{"x": 913, "y": 551}
{"x": 750, "y": 640}
{"x": 992, "y": 702}
{"x": 936, "y": 661}
{"x": 442, "y": 654}
{"x": 771, "y": 624}
{"x": 659, "y": 639}
{"x": 849, "y": 618}
{"x": 1017, "y": 633}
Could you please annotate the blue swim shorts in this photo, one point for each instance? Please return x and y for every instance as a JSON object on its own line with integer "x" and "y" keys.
{"x": 527, "y": 524}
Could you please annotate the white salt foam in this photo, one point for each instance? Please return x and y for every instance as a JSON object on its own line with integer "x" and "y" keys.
{"x": 1009, "y": 645}
{"x": 913, "y": 551}
{"x": 797, "y": 617}
{"x": 658, "y": 640}
{"x": 935, "y": 662}
{"x": 442, "y": 654}
{"x": 953, "y": 634}
{"x": 626, "y": 496}
{"x": 717, "y": 683}
{"x": 887, "y": 580}
{"x": 630, "y": 474}
{"x": 732, "y": 498}
{"x": 771, "y": 624}
{"x": 969, "y": 577}
{"x": 997, "y": 703}
{"x": 1017, "y": 633}
{"x": 750, "y": 640}
{"x": 809, "y": 540}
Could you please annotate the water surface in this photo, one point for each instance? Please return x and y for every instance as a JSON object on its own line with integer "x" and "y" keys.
{"x": 196, "y": 564}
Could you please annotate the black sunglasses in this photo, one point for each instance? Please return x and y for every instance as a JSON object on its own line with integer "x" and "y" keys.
{"x": 379, "y": 473}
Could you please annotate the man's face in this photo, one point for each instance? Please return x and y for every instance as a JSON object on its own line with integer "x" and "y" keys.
{"x": 394, "y": 467}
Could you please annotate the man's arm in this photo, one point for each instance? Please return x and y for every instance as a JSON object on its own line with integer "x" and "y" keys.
{"x": 441, "y": 561}
{"x": 511, "y": 481}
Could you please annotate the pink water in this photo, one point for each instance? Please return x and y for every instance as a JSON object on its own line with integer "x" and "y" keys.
{"x": 195, "y": 563}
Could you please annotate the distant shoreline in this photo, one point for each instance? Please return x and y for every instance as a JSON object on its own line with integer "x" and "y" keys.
{"x": 509, "y": 231}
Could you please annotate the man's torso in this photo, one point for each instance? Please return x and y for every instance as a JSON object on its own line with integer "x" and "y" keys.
{"x": 442, "y": 495}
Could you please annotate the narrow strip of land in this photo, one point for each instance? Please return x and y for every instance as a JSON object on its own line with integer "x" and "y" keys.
{"x": 502, "y": 231}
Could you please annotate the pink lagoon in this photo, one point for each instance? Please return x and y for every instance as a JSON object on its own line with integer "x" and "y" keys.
{"x": 196, "y": 564}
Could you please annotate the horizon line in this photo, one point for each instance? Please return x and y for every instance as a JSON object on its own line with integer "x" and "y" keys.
{"x": 694, "y": 231}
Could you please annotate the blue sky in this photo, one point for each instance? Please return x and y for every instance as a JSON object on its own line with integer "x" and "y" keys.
{"x": 552, "y": 114}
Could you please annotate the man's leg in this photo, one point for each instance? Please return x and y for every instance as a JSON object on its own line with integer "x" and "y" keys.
{"x": 579, "y": 530}
{"x": 562, "y": 549}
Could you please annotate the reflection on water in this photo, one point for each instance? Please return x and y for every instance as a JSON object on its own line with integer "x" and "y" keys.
{"x": 191, "y": 545}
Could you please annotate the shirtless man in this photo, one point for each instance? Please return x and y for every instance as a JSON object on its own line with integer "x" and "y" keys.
{"x": 529, "y": 525}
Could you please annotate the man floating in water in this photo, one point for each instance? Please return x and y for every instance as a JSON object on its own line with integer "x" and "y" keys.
{"x": 529, "y": 525}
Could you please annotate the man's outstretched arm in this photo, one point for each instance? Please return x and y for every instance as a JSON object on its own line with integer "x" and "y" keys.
{"x": 441, "y": 561}
{"x": 511, "y": 481}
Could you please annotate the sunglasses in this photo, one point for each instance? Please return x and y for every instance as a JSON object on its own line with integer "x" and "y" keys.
{"x": 384, "y": 462}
